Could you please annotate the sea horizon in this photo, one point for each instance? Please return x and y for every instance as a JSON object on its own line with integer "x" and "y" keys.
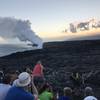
{"x": 13, "y": 47}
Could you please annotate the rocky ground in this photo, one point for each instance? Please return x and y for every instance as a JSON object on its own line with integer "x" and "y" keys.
{"x": 59, "y": 60}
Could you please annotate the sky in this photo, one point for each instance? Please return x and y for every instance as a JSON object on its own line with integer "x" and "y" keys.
{"x": 50, "y": 17}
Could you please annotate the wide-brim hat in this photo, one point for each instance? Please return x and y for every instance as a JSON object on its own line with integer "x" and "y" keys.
{"x": 23, "y": 80}
{"x": 90, "y": 98}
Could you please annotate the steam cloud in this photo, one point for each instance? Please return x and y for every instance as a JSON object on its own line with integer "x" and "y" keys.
{"x": 21, "y": 29}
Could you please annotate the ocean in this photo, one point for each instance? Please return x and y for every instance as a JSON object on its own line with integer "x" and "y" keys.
{"x": 7, "y": 49}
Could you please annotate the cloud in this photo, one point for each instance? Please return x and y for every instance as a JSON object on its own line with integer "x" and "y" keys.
{"x": 83, "y": 26}
{"x": 72, "y": 28}
{"x": 21, "y": 29}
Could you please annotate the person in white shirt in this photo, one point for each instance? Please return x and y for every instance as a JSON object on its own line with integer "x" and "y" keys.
{"x": 5, "y": 86}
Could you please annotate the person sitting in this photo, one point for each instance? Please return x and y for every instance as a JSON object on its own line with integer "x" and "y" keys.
{"x": 18, "y": 90}
{"x": 5, "y": 86}
{"x": 89, "y": 94}
{"x": 67, "y": 94}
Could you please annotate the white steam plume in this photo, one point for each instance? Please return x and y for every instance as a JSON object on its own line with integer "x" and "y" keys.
{"x": 12, "y": 28}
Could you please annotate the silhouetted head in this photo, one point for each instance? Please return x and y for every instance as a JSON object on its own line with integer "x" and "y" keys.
{"x": 88, "y": 91}
{"x": 28, "y": 70}
{"x": 67, "y": 91}
{"x": 7, "y": 79}
{"x": 1, "y": 73}
{"x": 39, "y": 62}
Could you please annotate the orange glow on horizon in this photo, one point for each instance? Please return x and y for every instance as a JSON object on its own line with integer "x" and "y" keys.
{"x": 68, "y": 34}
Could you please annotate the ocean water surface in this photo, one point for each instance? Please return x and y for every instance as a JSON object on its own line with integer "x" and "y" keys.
{"x": 6, "y": 49}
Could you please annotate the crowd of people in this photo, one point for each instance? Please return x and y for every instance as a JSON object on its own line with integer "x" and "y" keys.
{"x": 31, "y": 85}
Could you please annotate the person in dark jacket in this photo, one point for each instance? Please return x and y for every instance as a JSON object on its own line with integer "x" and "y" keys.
{"x": 67, "y": 94}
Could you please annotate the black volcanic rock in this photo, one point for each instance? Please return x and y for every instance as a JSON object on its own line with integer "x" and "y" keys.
{"x": 59, "y": 60}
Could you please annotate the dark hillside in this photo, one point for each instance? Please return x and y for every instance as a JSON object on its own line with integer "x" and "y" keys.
{"x": 60, "y": 59}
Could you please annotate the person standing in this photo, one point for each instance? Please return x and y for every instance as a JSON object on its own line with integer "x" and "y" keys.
{"x": 18, "y": 90}
{"x": 5, "y": 86}
{"x": 67, "y": 94}
{"x": 38, "y": 74}
{"x": 38, "y": 70}
{"x": 46, "y": 93}
{"x": 89, "y": 94}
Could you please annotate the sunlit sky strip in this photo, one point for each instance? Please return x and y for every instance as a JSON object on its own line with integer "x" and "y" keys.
{"x": 50, "y": 17}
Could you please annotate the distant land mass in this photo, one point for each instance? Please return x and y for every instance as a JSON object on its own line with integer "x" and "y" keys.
{"x": 60, "y": 59}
